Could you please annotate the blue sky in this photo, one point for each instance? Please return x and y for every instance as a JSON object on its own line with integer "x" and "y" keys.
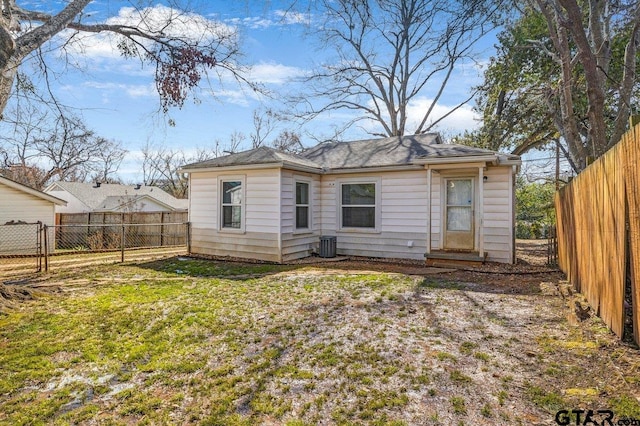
{"x": 118, "y": 101}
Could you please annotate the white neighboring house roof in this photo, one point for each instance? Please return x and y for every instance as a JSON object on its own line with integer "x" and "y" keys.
{"x": 28, "y": 190}
{"x": 96, "y": 196}
{"x": 116, "y": 203}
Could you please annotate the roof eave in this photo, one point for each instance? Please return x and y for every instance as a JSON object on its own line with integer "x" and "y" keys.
{"x": 34, "y": 192}
{"x": 234, "y": 167}
{"x": 492, "y": 158}
{"x": 300, "y": 167}
{"x": 259, "y": 166}
{"x": 387, "y": 168}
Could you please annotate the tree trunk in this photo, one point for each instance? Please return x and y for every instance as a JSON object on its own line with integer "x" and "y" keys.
{"x": 593, "y": 76}
{"x": 7, "y": 77}
{"x": 12, "y": 52}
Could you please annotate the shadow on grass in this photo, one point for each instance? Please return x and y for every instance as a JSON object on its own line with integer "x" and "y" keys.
{"x": 433, "y": 278}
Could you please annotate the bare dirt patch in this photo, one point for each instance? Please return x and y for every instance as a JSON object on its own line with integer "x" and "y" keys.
{"x": 352, "y": 342}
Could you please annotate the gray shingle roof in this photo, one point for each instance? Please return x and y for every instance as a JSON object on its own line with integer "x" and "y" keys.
{"x": 392, "y": 151}
{"x": 261, "y": 155}
{"x": 93, "y": 196}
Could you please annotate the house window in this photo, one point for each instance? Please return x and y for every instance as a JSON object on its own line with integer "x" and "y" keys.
{"x": 358, "y": 205}
{"x": 231, "y": 204}
{"x": 302, "y": 205}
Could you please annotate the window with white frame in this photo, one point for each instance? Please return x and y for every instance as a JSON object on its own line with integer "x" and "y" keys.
{"x": 303, "y": 211}
{"x": 231, "y": 204}
{"x": 358, "y": 205}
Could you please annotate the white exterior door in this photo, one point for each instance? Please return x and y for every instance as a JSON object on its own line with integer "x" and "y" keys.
{"x": 459, "y": 214}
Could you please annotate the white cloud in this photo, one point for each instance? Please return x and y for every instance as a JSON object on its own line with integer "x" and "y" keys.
{"x": 464, "y": 118}
{"x": 272, "y": 73}
{"x": 132, "y": 90}
{"x": 290, "y": 17}
{"x": 258, "y": 22}
{"x": 174, "y": 23}
{"x": 157, "y": 19}
{"x": 278, "y": 18}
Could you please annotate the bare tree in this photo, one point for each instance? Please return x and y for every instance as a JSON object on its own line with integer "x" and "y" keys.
{"x": 236, "y": 139}
{"x": 264, "y": 123}
{"x": 288, "y": 141}
{"x": 390, "y": 53}
{"x": 38, "y": 148}
{"x": 107, "y": 162}
{"x": 161, "y": 167}
{"x": 180, "y": 44}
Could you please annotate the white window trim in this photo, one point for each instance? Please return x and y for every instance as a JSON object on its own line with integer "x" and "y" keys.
{"x": 243, "y": 206}
{"x": 308, "y": 181}
{"x": 378, "y": 210}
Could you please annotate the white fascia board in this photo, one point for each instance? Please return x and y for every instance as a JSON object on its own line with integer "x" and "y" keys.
{"x": 471, "y": 159}
{"x": 456, "y": 166}
{"x": 510, "y": 162}
{"x": 400, "y": 168}
{"x": 300, "y": 168}
{"x": 233, "y": 168}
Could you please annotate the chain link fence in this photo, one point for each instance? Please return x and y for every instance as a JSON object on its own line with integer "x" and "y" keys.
{"x": 21, "y": 246}
{"x": 31, "y": 248}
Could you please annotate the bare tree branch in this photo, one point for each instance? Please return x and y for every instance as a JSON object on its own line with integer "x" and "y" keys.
{"x": 390, "y": 54}
{"x": 181, "y": 45}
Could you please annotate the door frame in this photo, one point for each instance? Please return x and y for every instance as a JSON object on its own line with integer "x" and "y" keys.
{"x": 446, "y": 177}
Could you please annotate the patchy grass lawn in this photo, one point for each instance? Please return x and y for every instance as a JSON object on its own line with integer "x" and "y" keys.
{"x": 189, "y": 341}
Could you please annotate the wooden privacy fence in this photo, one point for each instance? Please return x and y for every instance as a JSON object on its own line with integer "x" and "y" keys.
{"x": 598, "y": 226}
{"x": 153, "y": 229}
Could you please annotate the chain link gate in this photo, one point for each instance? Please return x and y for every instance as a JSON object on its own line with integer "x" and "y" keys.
{"x": 21, "y": 249}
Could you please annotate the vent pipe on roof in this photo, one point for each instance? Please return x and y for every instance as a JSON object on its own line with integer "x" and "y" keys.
{"x": 97, "y": 185}
{"x": 137, "y": 186}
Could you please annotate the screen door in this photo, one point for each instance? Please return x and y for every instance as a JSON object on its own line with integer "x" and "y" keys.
{"x": 459, "y": 215}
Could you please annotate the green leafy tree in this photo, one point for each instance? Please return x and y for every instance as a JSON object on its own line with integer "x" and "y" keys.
{"x": 564, "y": 73}
{"x": 534, "y": 208}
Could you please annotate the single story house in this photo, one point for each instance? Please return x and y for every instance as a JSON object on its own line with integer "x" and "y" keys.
{"x": 107, "y": 197}
{"x": 20, "y": 207}
{"x": 399, "y": 197}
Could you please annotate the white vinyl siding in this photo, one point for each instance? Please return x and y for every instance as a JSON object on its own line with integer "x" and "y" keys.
{"x": 260, "y": 238}
{"x": 498, "y": 225}
{"x": 18, "y": 205}
{"x": 401, "y": 215}
{"x": 299, "y": 243}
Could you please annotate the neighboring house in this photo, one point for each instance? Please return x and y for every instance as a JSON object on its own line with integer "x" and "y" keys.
{"x": 105, "y": 197}
{"x": 21, "y": 205}
{"x": 401, "y": 197}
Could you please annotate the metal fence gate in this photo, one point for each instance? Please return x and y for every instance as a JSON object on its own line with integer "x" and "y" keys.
{"x": 21, "y": 246}
{"x": 29, "y": 248}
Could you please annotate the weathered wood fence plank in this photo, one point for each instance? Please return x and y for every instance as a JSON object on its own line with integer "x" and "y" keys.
{"x": 594, "y": 213}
